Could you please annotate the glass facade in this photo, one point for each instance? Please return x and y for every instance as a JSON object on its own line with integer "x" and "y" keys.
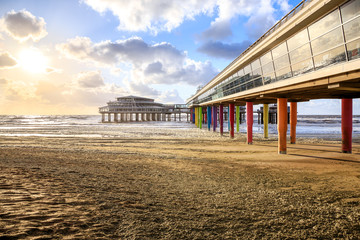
{"x": 333, "y": 39}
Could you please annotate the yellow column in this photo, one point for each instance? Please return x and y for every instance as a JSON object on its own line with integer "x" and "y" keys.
{"x": 266, "y": 120}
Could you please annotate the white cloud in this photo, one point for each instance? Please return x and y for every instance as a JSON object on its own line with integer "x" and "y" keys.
{"x": 261, "y": 16}
{"x": 170, "y": 96}
{"x": 91, "y": 79}
{"x": 23, "y": 25}
{"x": 6, "y": 60}
{"x": 151, "y": 64}
{"x": 152, "y": 15}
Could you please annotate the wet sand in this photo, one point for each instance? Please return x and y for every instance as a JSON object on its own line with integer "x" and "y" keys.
{"x": 168, "y": 187}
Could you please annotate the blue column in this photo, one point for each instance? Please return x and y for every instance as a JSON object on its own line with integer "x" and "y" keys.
{"x": 228, "y": 119}
{"x": 208, "y": 112}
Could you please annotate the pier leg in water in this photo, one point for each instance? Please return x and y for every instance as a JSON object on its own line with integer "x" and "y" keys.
{"x": 282, "y": 124}
{"x": 231, "y": 119}
{"x": 249, "y": 121}
{"x": 293, "y": 122}
{"x": 237, "y": 118}
{"x": 346, "y": 125}
{"x": 266, "y": 120}
{"x": 221, "y": 119}
{"x": 208, "y": 111}
{"x": 201, "y": 117}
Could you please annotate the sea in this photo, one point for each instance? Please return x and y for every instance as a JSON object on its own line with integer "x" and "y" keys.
{"x": 313, "y": 126}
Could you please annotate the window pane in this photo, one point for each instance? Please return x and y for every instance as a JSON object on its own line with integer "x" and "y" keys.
{"x": 249, "y": 85}
{"x": 331, "y": 57}
{"x": 279, "y": 50}
{"x": 241, "y": 72}
{"x": 257, "y": 73}
{"x": 298, "y": 40}
{"x": 350, "y": 10}
{"x": 255, "y": 64}
{"x": 258, "y": 82}
{"x": 352, "y": 29}
{"x": 302, "y": 67}
{"x": 301, "y": 53}
{"x": 266, "y": 58}
{"x": 283, "y": 74}
{"x": 247, "y": 69}
{"x": 269, "y": 78}
{"x": 353, "y": 49}
{"x": 325, "y": 24}
{"x": 327, "y": 41}
{"x": 268, "y": 68}
{"x": 281, "y": 62}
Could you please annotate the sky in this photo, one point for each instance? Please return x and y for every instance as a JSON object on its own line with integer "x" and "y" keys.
{"x": 73, "y": 56}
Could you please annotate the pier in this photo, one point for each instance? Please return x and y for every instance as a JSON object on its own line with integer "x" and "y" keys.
{"x": 140, "y": 109}
{"x": 311, "y": 53}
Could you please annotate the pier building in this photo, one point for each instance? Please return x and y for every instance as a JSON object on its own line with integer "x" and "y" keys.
{"x": 133, "y": 108}
{"x": 313, "y": 52}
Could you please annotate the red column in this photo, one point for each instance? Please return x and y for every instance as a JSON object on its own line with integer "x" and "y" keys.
{"x": 231, "y": 118}
{"x": 249, "y": 121}
{"x": 346, "y": 125}
{"x": 221, "y": 119}
{"x": 293, "y": 121}
{"x": 282, "y": 124}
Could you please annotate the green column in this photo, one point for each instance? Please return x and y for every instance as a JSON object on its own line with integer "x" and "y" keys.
{"x": 200, "y": 117}
{"x": 237, "y": 118}
{"x": 266, "y": 120}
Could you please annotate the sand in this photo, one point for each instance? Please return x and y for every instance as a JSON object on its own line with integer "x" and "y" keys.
{"x": 176, "y": 187}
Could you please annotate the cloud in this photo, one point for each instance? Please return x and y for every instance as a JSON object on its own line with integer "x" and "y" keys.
{"x": 138, "y": 88}
{"x": 91, "y": 79}
{"x": 6, "y": 60}
{"x": 218, "y": 30}
{"x": 170, "y": 96}
{"x": 151, "y": 64}
{"x": 3, "y": 81}
{"x": 260, "y": 16}
{"x": 23, "y": 25}
{"x": 153, "y": 16}
{"x": 224, "y": 50}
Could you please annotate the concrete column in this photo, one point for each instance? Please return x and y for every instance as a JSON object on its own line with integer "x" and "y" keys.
{"x": 231, "y": 119}
{"x": 266, "y": 120}
{"x": 221, "y": 119}
{"x": 293, "y": 122}
{"x": 237, "y": 118}
{"x": 249, "y": 121}
{"x": 103, "y": 117}
{"x": 282, "y": 124}
{"x": 346, "y": 125}
{"x": 116, "y": 117}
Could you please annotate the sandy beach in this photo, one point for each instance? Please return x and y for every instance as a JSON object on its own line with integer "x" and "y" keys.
{"x": 177, "y": 187}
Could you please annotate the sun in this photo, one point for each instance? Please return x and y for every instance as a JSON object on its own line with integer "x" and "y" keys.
{"x": 33, "y": 60}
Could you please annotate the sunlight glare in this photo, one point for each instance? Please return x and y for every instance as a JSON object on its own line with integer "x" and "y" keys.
{"x": 32, "y": 60}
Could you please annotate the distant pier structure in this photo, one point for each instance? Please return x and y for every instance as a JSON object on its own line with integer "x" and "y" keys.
{"x": 140, "y": 109}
